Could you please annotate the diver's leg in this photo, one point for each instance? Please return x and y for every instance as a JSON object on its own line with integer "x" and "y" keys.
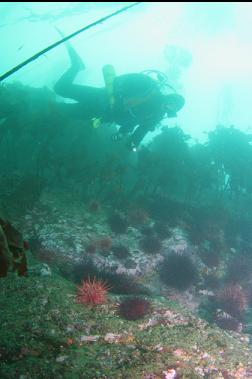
{"x": 93, "y": 102}
{"x": 75, "y": 59}
{"x": 64, "y": 86}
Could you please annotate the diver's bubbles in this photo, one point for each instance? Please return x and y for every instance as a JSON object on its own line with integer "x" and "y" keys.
{"x": 210, "y": 17}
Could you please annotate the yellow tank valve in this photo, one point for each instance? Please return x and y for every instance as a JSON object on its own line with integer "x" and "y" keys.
{"x": 96, "y": 122}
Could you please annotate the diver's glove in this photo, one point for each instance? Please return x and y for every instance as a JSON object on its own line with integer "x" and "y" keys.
{"x": 117, "y": 137}
{"x": 131, "y": 146}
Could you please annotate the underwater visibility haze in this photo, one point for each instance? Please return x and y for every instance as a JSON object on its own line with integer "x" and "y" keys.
{"x": 125, "y": 190}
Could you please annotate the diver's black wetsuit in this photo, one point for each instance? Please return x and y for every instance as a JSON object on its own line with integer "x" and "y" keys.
{"x": 94, "y": 102}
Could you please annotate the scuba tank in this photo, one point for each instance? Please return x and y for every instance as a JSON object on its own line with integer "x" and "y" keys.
{"x": 109, "y": 75}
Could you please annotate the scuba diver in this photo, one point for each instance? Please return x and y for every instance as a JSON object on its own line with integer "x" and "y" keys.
{"x": 132, "y": 101}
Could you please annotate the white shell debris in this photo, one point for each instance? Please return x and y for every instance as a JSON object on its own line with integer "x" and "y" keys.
{"x": 89, "y": 338}
{"x": 61, "y": 358}
{"x": 170, "y": 374}
{"x": 45, "y": 270}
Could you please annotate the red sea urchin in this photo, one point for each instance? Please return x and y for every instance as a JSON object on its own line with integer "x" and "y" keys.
{"x": 92, "y": 292}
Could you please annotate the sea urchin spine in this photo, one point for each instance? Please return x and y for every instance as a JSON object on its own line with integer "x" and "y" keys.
{"x": 92, "y": 292}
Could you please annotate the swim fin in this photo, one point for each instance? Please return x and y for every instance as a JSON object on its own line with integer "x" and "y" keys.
{"x": 75, "y": 59}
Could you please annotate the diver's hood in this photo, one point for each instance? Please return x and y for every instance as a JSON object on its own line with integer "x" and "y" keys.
{"x": 171, "y": 113}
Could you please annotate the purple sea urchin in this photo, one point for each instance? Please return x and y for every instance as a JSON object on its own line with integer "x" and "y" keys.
{"x": 134, "y": 308}
{"x": 178, "y": 271}
{"x": 118, "y": 223}
{"x": 151, "y": 245}
{"x": 232, "y": 299}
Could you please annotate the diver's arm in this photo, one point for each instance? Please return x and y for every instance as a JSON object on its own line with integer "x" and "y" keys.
{"x": 126, "y": 128}
{"x": 123, "y": 131}
{"x": 144, "y": 127}
{"x": 139, "y": 134}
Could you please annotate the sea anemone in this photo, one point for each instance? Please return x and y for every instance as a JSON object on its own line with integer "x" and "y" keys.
{"x": 92, "y": 292}
{"x": 178, "y": 271}
{"x": 151, "y": 245}
{"x": 134, "y": 308}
